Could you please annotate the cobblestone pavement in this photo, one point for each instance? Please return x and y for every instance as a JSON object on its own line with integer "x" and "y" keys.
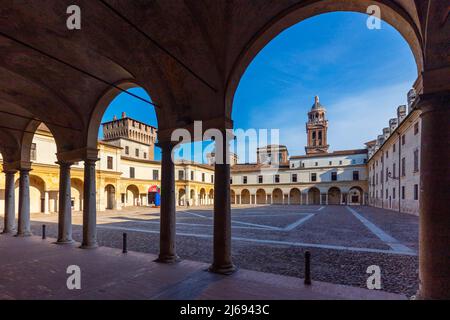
{"x": 343, "y": 241}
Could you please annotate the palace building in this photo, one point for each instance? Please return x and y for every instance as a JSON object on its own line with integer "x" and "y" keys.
{"x": 394, "y": 162}
{"x": 385, "y": 174}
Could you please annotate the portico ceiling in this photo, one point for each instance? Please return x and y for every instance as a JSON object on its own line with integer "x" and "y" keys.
{"x": 189, "y": 55}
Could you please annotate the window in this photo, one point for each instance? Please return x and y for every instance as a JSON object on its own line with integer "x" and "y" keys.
{"x": 313, "y": 176}
{"x": 355, "y": 175}
{"x": 180, "y": 174}
{"x": 316, "y": 164}
{"x": 203, "y": 177}
{"x": 155, "y": 175}
{"x": 387, "y": 174}
{"x": 127, "y": 150}
{"x": 334, "y": 176}
{"x": 244, "y": 179}
{"x": 303, "y": 164}
{"x": 340, "y": 162}
{"x": 192, "y": 175}
{"x": 260, "y": 179}
{"x": 387, "y": 154}
{"x": 393, "y": 193}
{"x": 212, "y": 178}
{"x": 33, "y": 152}
{"x": 403, "y": 167}
{"x": 277, "y": 178}
{"x": 416, "y": 192}
{"x": 403, "y": 192}
{"x": 394, "y": 170}
{"x": 145, "y": 155}
{"x": 416, "y": 129}
{"x": 136, "y": 152}
{"x": 416, "y": 160}
{"x": 122, "y": 197}
{"x": 231, "y": 180}
{"x": 330, "y": 163}
{"x": 394, "y": 147}
{"x": 110, "y": 163}
{"x": 403, "y": 140}
{"x": 294, "y": 177}
{"x": 387, "y": 193}
{"x": 131, "y": 172}
{"x": 376, "y": 179}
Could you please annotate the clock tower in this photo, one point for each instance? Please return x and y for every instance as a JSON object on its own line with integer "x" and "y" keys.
{"x": 316, "y": 129}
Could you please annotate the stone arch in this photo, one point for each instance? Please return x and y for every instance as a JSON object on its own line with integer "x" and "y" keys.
{"x": 202, "y": 197}
{"x": 76, "y": 191}
{"x": 295, "y": 196}
{"x": 261, "y": 196}
{"x": 355, "y": 196}
{"x": 394, "y": 15}
{"x": 211, "y": 196}
{"x": 181, "y": 197}
{"x": 37, "y": 194}
{"x": 110, "y": 196}
{"x": 245, "y": 196}
{"x": 232, "y": 197}
{"x": 314, "y": 196}
{"x": 334, "y": 196}
{"x": 277, "y": 196}
{"x": 192, "y": 198}
{"x": 132, "y": 195}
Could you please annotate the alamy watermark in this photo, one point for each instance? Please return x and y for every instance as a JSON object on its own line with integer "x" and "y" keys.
{"x": 374, "y": 19}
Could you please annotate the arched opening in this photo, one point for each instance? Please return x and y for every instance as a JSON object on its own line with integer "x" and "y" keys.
{"x": 232, "y": 196}
{"x": 37, "y": 194}
{"x": 245, "y": 197}
{"x": 277, "y": 196}
{"x": 261, "y": 196}
{"x": 355, "y": 196}
{"x": 76, "y": 191}
{"x": 202, "y": 197}
{"x": 192, "y": 201}
{"x": 211, "y": 196}
{"x": 295, "y": 196}
{"x": 181, "y": 197}
{"x": 132, "y": 196}
{"x": 314, "y": 196}
{"x": 110, "y": 192}
{"x": 334, "y": 196}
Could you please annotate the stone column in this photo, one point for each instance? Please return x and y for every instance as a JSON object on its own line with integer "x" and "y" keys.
{"x": 434, "y": 235}
{"x": 167, "y": 250}
{"x": 89, "y": 206}
{"x": 65, "y": 204}
{"x": 10, "y": 210}
{"x": 222, "y": 262}
{"x": 24, "y": 227}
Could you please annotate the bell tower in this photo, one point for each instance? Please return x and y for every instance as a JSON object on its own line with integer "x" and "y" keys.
{"x": 316, "y": 129}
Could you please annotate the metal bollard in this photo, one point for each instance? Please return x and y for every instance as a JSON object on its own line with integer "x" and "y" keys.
{"x": 307, "y": 268}
{"x": 44, "y": 236}
{"x": 124, "y": 243}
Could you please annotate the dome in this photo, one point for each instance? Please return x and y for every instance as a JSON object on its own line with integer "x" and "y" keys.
{"x": 316, "y": 105}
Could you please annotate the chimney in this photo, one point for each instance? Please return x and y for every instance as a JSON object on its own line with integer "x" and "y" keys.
{"x": 124, "y": 115}
{"x": 393, "y": 124}
{"x": 411, "y": 98}
{"x": 401, "y": 113}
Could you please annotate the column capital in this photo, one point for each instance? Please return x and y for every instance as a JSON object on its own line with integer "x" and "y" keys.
{"x": 429, "y": 102}
{"x": 17, "y": 166}
{"x": 64, "y": 163}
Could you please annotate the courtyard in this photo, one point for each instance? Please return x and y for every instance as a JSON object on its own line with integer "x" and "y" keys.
{"x": 343, "y": 241}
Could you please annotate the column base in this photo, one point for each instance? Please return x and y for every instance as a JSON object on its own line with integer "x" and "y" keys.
{"x": 168, "y": 259}
{"x": 24, "y": 234}
{"x": 8, "y": 232}
{"x": 89, "y": 246}
{"x": 64, "y": 242}
{"x": 225, "y": 269}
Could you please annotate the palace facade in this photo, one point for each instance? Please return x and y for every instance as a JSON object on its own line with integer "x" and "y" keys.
{"x": 394, "y": 162}
{"x": 386, "y": 174}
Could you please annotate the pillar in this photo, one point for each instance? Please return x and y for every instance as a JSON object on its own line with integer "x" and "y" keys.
{"x": 222, "y": 262}
{"x": 10, "y": 210}
{"x": 434, "y": 231}
{"x": 65, "y": 205}
{"x": 89, "y": 206}
{"x": 167, "y": 250}
{"x": 24, "y": 227}
{"x": 46, "y": 202}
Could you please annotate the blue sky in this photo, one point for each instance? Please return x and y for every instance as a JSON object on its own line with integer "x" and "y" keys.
{"x": 361, "y": 76}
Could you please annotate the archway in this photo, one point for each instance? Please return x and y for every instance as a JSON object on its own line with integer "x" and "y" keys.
{"x": 110, "y": 192}
{"x": 295, "y": 196}
{"x": 132, "y": 196}
{"x": 355, "y": 196}
{"x": 192, "y": 201}
{"x": 211, "y": 196}
{"x": 202, "y": 197}
{"x": 232, "y": 196}
{"x": 334, "y": 196}
{"x": 181, "y": 197}
{"x": 245, "y": 197}
{"x": 277, "y": 196}
{"x": 261, "y": 196}
{"x": 37, "y": 194}
{"x": 314, "y": 196}
{"x": 76, "y": 191}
